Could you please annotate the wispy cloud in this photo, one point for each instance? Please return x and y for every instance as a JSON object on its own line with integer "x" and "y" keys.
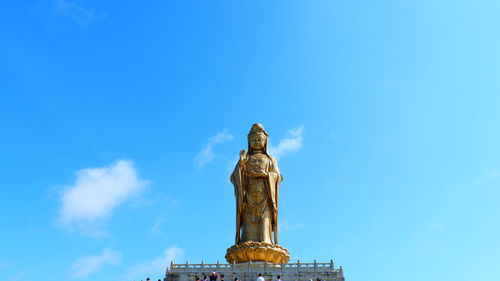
{"x": 85, "y": 266}
{"x": 289, "y": 144}
{"x": 206, "y": 155}
{"x": 77, "y": 11}
{"x": 157, "y": 225}
{"x": 287, "y": 225}
{"x": 21, "y": 275}
{"x": 487, "y": 177}
{"x": 155, "y": 267}
{"x": 436, "y": 227}
{"x": 96, "y": 193}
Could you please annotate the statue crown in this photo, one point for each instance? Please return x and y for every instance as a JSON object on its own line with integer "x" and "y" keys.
{"x": 257, "y": 128}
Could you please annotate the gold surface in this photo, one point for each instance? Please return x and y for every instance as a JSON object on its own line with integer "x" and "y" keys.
{"x": 257, "y": 251}
{"x": 256, "y": 180}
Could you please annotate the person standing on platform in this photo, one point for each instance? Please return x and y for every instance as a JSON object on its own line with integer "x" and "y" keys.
{"x": 260, "y": 278}
{"x": 213, "y": 276}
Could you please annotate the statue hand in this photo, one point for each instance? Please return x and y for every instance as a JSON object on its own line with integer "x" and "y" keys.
{"x": 261, "y": 174}
{"x": 243, "y": 156}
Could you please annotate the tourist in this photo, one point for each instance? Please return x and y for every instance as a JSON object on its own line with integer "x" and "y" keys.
{"x": 260, "y": 278}
{"x": 222, "y": 277}
{"x": 213, "y": 276}
{"x": 278, "y": 278}
{"x": 205, "y": 278}
{"x": 236, "y": 279}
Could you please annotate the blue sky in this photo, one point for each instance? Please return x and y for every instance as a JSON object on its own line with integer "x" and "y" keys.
{"x": 121, "y": 122}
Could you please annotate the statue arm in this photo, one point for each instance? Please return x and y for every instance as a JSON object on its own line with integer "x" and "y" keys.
{"x": 275, "y": 179}
{"x": 274, "y": 169}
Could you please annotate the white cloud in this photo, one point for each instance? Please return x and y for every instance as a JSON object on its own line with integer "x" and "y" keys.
{"x": 155, "y": 267}
{"x": 206, "y": 155}
{"x": 96, "y": 193}
{"x": 77, "y": 11}
{"x": 289, "y": 144}
{"x": 85, "y": 266}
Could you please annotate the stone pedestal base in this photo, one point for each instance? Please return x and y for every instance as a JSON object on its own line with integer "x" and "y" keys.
{"x": 257, "y": 251}
{"x": 249, "y": 271}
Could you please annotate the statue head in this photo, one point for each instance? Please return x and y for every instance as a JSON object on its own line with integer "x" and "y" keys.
{"x": 257, "y": 139}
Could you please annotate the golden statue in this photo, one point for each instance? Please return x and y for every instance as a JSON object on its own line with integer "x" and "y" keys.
{"x": 256, "y": 179}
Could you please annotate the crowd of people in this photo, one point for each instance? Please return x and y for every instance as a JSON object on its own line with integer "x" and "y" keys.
{"x": 214, "y": 276}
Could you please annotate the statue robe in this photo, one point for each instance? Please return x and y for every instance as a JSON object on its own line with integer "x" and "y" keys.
{"x": 271, "y": 181}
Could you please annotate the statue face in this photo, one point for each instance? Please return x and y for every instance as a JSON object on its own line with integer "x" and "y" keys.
{"x": 257, "y": 142}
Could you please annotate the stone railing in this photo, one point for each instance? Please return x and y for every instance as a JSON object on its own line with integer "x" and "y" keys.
{"x": 221, "y": 266}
